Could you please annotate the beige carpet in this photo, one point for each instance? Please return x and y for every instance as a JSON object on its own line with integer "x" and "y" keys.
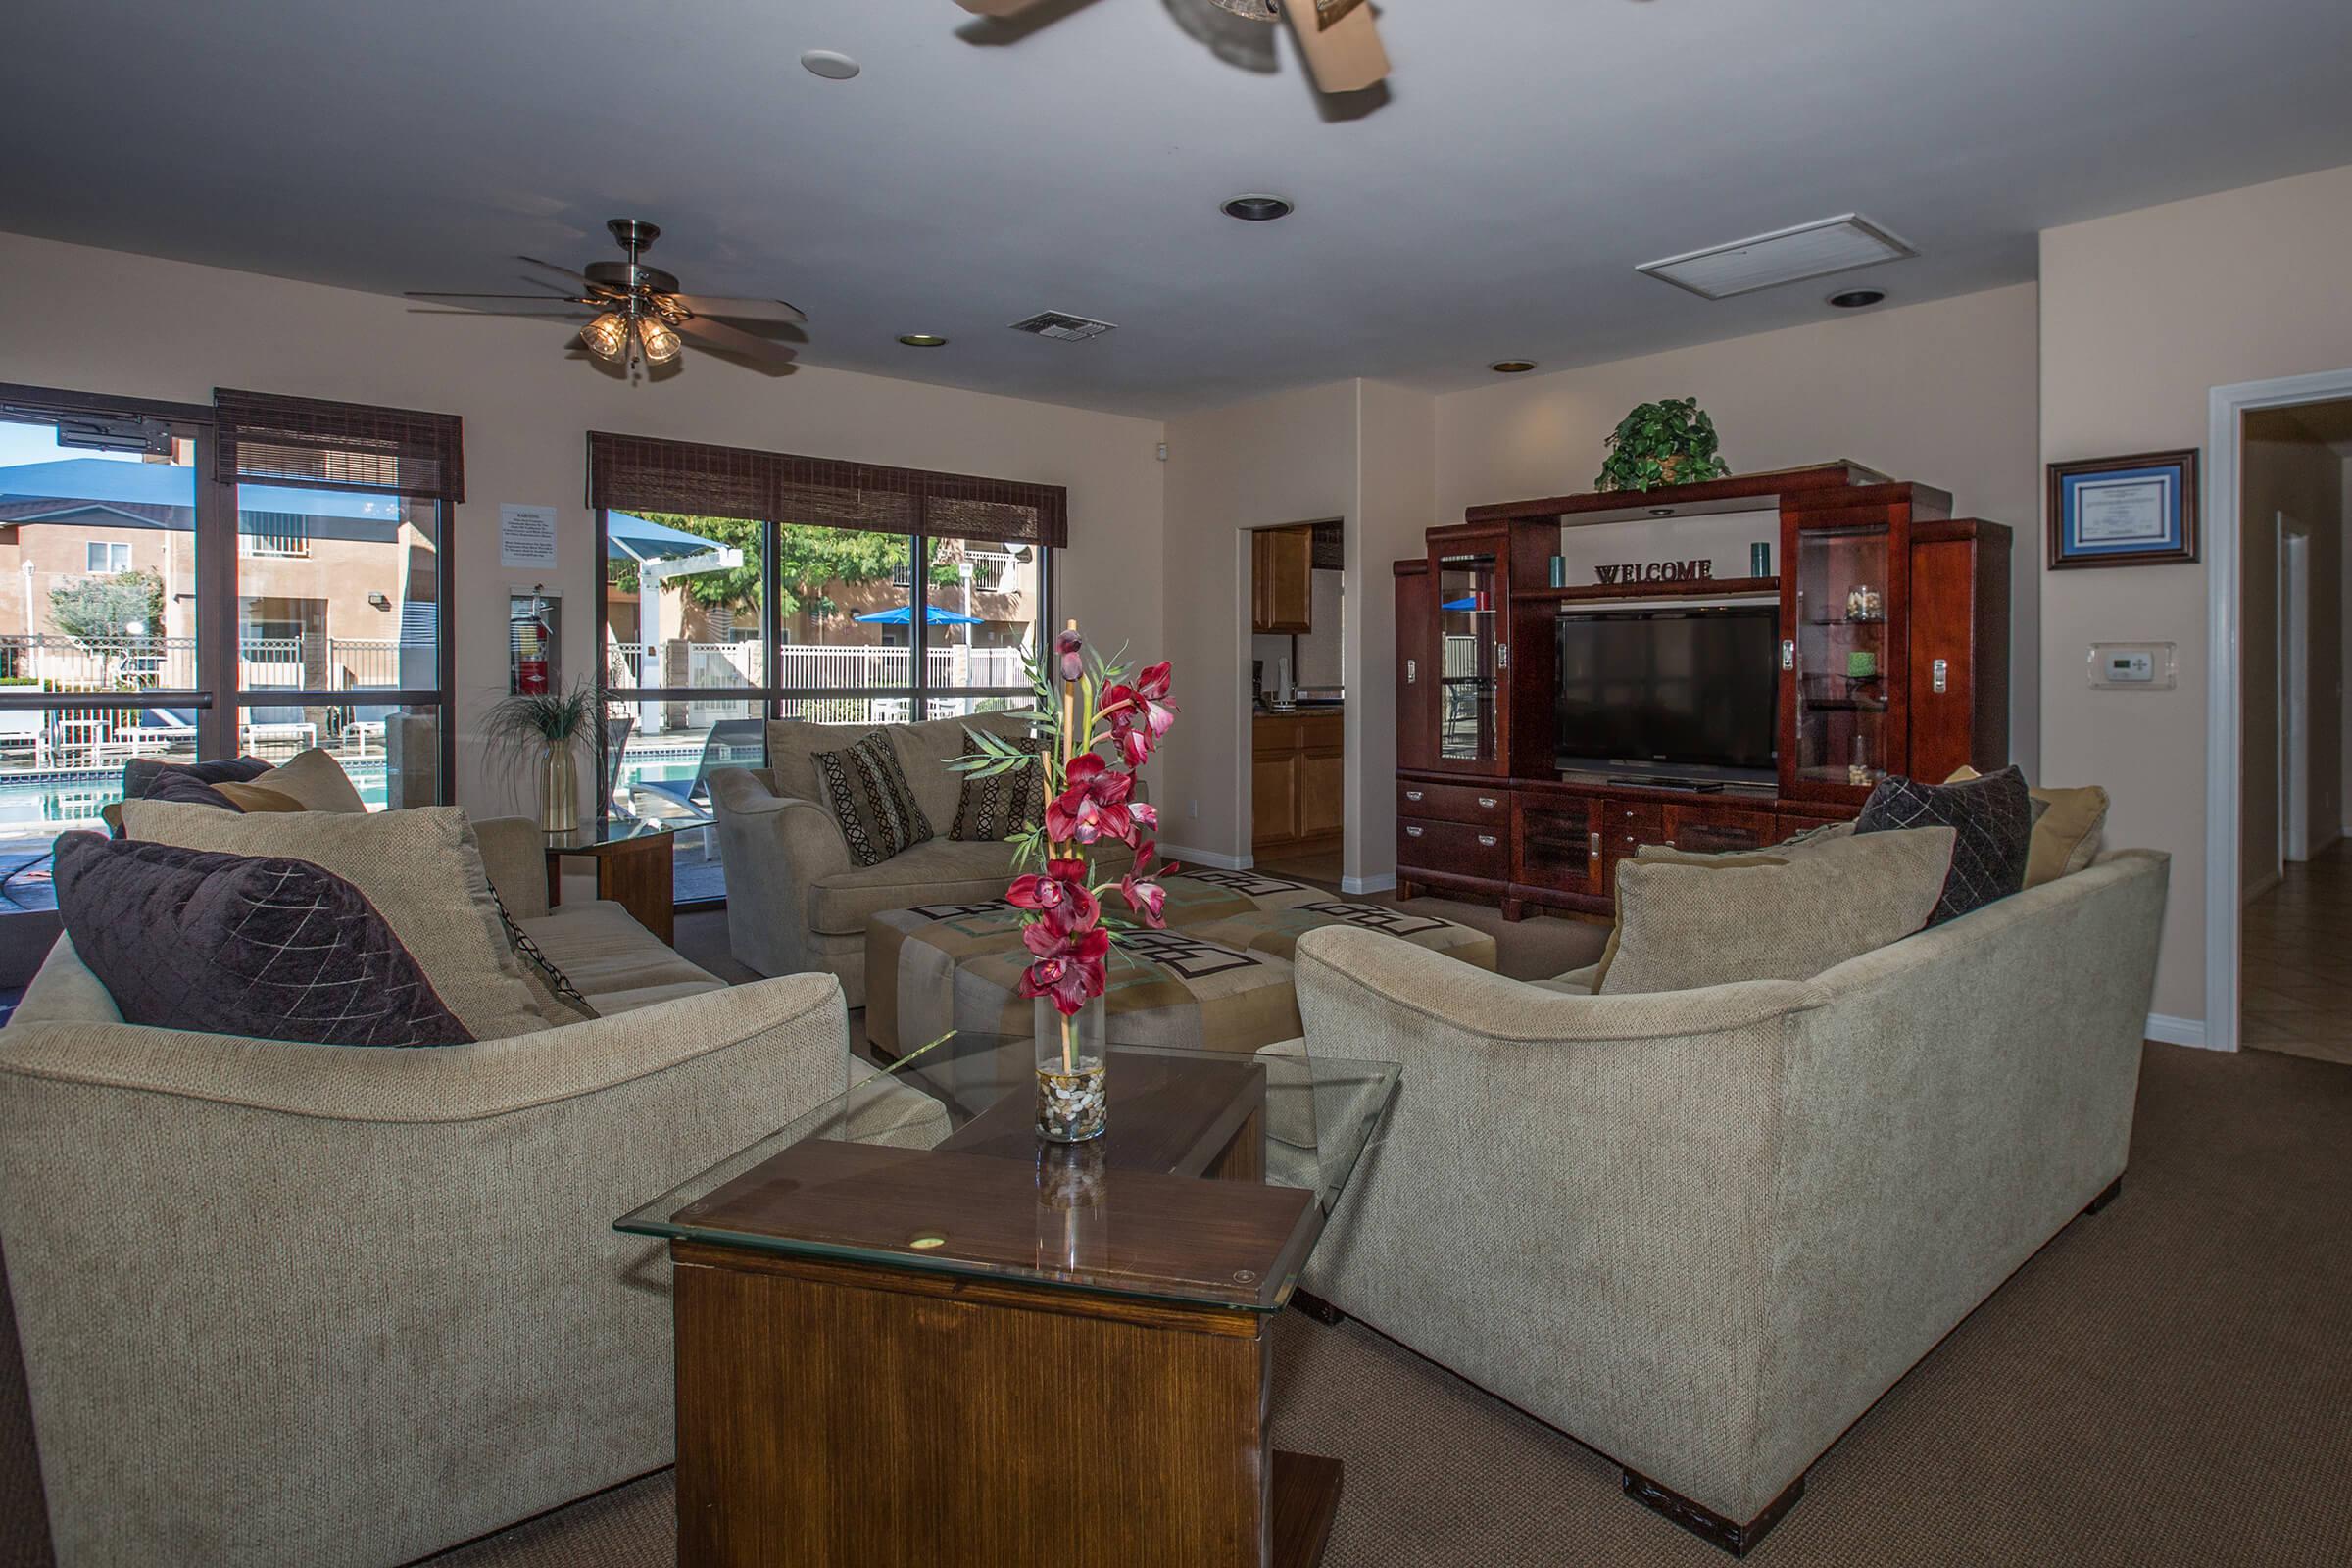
{"x": 2168, "y": 1382}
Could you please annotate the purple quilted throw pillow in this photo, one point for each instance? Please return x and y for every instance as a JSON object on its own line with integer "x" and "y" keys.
{"x": 243, "y": 945}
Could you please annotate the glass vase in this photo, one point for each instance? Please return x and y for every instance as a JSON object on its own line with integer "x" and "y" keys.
{"x": 1073, "y": 1089}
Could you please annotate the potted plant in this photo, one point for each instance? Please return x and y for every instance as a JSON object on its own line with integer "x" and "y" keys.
{"x": 1668, "y": 442}
{"x": 1095, "y": 727}
{"x": 546, "y": 727}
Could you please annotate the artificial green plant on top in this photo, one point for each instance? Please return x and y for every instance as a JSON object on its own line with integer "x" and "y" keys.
{"x": 1668, "y": 442}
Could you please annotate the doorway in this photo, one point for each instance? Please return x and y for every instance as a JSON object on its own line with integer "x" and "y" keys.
{"x": 2294, "y": 875}
{"x": 1295, "y": 691}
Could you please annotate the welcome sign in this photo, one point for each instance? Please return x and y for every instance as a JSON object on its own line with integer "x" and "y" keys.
{"x": 1699, "y": 570}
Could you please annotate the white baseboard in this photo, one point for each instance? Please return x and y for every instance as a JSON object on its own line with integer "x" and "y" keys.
{"x": 1383, "y": 883}
{"x": 2178, "y": 1031}
{"x": 1208, "y": 857}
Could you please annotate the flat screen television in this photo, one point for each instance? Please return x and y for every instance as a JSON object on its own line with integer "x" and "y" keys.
{"x": 1692, "y": 688}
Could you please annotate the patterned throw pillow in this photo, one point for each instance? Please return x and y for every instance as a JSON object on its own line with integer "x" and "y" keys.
{"x": 261, "y": 945}
{"x": 1002, "y": 804}
{"x": 1993, "y": 818}
{"x": 140, "y": 774}
{"x": 871, "y": 802}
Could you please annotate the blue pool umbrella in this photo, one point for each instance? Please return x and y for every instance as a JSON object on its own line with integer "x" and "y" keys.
{"x": 647, "y": 540}
{"x": 933, "y": 615}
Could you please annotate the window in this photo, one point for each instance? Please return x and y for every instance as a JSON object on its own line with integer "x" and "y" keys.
{"x": 273, "y": 533}
{"x": 744, "y": 586}
{"x": 107, "y": 558}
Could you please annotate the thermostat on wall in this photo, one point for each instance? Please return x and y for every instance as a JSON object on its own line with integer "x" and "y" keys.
{"x": 2135, "y": 666}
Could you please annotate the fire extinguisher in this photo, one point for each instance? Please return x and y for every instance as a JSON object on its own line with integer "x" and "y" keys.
{"x": 530, "y": 667}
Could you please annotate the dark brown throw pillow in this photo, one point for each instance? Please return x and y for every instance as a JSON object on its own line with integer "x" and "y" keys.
{"x": 1000, "y": 804}
{"x": 140, "y": 774}
{"x": 871, "y": 801}
{"x": 1992, "y": 822}
{"x": 267, "y": 946}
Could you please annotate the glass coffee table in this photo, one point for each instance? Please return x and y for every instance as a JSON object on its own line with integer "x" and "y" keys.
{"x": 910, "y": 1332}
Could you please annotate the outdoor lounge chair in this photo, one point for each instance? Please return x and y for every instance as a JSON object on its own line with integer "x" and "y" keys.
{"x": 731, "y": 743}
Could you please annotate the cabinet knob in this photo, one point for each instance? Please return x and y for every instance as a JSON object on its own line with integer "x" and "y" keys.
{"x": 1595, "y": 851}
{"x": 1412, "y": 832}
{"x": 1412, "y": 794}
{"x": 1486, "y": 802}
{"x": 1487, "y": 839}
{"x": 1412, "y": 670}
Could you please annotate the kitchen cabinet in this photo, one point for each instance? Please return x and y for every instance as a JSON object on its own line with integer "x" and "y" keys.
{"x": 1282, "y": 581}
{"x": 1298, "y": 780}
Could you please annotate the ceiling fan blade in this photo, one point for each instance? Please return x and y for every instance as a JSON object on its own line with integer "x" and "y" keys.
{"x": 1340, "y": 42}
{"x": 713, "y": 334}
{"x": 742, "y": 310}
{"x": 997, "y": 8}
{"x": 578, "y": 280}
{"x": 512, "y": 304}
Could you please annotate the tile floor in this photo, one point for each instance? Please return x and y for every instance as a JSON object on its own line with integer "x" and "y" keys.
{"x": 2297, "y": 965}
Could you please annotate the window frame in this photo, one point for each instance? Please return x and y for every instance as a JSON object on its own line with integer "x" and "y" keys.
{"x": 769, "y": 697}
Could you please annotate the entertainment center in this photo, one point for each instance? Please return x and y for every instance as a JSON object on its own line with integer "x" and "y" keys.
{"x": 1556, "y": 710}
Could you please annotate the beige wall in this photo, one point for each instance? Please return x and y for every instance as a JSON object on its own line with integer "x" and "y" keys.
{"x": 138, "y": 326}
{"x": 1287, "y": 458}
{"x": 2141, "y": 315}
{"x": 2287, "y": 469}
{"x": 1942, "y": 393}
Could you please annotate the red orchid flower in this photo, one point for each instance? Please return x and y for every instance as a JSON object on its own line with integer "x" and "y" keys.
{"x": 1094, "y": 806}
{"x": 1141, "y": 888}
{"x": 1050, "y": 891}
{"x": 1143, "y": 818}
{"x": 1137, "y": 716}
{"x": 1072, "y": 650}
{"x": 1072, "y": 973}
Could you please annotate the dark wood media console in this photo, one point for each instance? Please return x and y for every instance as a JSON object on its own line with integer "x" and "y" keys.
{"x": 1893, "y": 645}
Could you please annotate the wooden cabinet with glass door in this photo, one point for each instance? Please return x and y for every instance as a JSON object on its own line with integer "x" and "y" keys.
{"x": 1845, "y": 657}
{"x": 1472, "y": 589}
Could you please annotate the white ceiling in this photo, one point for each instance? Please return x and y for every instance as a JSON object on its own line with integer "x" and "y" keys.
{"x": 1529, "y": 154}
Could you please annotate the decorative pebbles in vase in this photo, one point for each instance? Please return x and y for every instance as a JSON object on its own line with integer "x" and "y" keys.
{"x": 1095, "y": 728}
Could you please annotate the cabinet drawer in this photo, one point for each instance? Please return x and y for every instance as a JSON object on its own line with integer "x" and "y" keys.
{"x": 1454, "y": 802}
{"x": 1460, "y": 848}
{"x": 1715, "y": 829}
{"x": 1626, "y": 826}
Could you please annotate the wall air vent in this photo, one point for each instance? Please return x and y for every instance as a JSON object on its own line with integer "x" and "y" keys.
{"x": 1789, "y": 256}
{"x": 1063, "y": 327}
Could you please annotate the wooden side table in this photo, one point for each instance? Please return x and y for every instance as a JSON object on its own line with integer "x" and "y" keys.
{"x": 635, "y": 868}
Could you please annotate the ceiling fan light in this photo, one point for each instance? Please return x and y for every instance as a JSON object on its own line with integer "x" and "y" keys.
{"x": 660, "y": 341}
{"x": 606, "y": 337}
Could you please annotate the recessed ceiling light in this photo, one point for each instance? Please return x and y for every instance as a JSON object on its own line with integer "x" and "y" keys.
{"x": 830, "y": 64}
{"x": 923, "y": 340}
{"x": 1259, "y": 208}
{"x": 1512, "y": 367}
{"x": 1854, "y": 299}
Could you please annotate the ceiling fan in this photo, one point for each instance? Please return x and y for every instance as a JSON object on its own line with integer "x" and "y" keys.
{"x": 638, "y": 312}
{"x": 1339, "y": 38}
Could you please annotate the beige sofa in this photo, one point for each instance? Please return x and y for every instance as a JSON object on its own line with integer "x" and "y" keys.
{"x": 286, "y": 1303}
{"x": 795, "y": 899}
{"x": 1702, "y": 1231}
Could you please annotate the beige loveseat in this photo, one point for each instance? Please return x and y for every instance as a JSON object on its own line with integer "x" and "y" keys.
{"x": 286, "y": 1303}
{"x": 795, "y": 899}
{"x": 1702, "y": 1231}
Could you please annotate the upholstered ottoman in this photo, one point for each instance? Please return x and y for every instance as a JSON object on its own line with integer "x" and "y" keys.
{"x": 1217, "y": 979}
{"x": 1275, "y": 933}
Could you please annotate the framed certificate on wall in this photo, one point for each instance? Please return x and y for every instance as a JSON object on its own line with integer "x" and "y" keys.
{"x": 2125, "y": 512}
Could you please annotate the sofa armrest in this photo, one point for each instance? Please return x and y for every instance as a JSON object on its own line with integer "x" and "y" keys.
{"x": 404, "y": 1261}
{"x": 776, "y": 848}
{"x": 515, "y": 854}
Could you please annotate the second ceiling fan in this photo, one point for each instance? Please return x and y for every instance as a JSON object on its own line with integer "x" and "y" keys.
{"x": 1337, "y": 38}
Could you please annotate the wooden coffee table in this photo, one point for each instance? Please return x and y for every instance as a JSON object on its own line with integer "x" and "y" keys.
{"x": 911, "y": 1334}
{"x": 635, "y": 868}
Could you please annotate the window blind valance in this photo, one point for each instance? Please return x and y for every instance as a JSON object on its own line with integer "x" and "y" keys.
{"x": 644, "y": 473}
{"x": 314, "y": 444}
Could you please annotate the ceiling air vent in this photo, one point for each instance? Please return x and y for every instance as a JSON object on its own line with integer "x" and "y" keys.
{"x": 1789, "y": 256}
{"x": 1063, "y": 327}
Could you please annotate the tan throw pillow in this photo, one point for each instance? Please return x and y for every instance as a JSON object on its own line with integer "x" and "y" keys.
{"x": 1684, "y": 926}
{"x": 316, "y": 782}
{"x": 253, "y": 797}
{"x": 422, "y": 870}
{"x": 2067, "y": 833}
